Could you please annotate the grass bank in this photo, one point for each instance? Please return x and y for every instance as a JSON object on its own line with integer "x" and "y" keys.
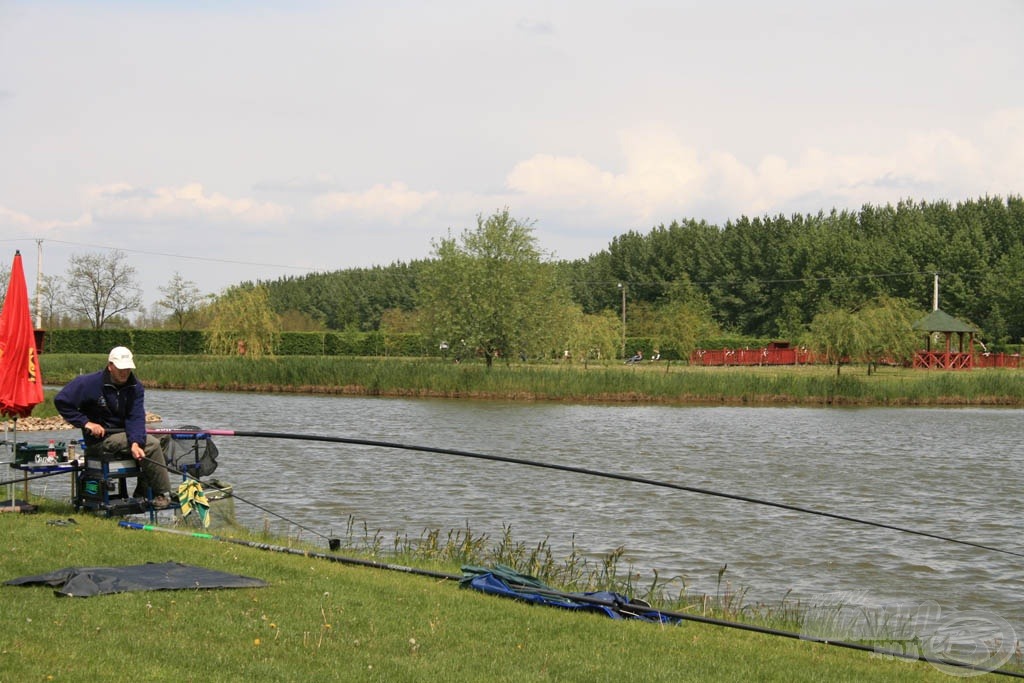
{"x": 320, "y": 620}
{"x": 612, "y": 382}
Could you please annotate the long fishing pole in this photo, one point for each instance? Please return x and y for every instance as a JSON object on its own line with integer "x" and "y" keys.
{"x": 588, "y": 599}
{"x": 591, "y": 472}
{"x": 43, "y": 475}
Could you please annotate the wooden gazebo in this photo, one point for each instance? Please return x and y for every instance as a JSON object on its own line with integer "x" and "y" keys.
{"x": 939, "y": 321}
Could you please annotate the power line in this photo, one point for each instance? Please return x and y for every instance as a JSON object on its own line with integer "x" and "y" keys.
{"x": 189, "y": 257}
{"x": 738, "y": 280}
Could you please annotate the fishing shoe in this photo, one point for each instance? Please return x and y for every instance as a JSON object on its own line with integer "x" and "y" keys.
{"x": 161, "y": 502}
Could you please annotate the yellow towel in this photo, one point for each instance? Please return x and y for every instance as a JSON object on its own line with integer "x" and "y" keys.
{"x": 190, "y": 495}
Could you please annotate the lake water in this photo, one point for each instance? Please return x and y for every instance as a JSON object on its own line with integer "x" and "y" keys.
{"x": 952, "y": 472}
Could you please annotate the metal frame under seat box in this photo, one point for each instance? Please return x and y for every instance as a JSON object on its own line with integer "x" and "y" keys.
{"x": 103, "y": 484}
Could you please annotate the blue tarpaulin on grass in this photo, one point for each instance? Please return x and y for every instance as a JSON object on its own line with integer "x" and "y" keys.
{"x": 506, "y": 582}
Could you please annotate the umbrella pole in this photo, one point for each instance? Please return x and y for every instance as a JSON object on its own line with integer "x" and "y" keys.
{"x": 15, "y": 459}
{"x": 14, "y": 455}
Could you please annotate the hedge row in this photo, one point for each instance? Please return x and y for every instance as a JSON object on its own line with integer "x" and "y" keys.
{"x": 192, "y": 342}
{"x": 157, "y": 342}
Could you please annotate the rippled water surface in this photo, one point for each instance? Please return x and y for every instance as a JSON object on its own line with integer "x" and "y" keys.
{"x": 950, "y": 472}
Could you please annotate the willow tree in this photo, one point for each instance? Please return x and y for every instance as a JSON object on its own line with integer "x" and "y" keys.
{"x": 591, "y": 337}
{"x": 889, "y": 331}
{"x": 839, "y": 336}
{"x": 683, "y": 319}
{"x": 491, "y": 292}
{"x": 243, "y": 324}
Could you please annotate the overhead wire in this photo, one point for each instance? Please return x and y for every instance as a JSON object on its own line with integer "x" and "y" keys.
{"x": 186, "y": 257}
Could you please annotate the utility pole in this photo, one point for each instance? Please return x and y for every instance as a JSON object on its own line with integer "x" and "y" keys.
{"x": 39, "y": 279}
{"x": 623, "y": 288}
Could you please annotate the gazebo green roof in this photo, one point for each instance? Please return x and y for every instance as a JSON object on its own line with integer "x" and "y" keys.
{"x": 940, "y": 321}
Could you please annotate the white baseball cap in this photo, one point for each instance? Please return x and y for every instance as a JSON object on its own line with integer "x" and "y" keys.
{"x": 121, "y": 357}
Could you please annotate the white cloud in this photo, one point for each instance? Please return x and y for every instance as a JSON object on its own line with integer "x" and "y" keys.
{"x": 664, "y": 178}
{"x": 561, "y": 178}
{"x": 392, "y": 203}
{"x": 660, "y": 173}
{"x": 120, "y": 202}
{"x": 15, "y": 219}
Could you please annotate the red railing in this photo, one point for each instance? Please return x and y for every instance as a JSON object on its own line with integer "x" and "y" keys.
{"x": 997, "y": 360}
{"x": 927, "y": 360}
{"x": 763, "y": 356}
{"x": 943, "y": 360}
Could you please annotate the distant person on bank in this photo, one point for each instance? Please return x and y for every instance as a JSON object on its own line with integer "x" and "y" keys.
{"x": 113, "y": 400}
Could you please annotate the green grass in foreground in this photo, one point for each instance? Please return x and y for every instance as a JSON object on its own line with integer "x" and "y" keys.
{"x": 320, "y": 620}
{"x": 661, "y": 382}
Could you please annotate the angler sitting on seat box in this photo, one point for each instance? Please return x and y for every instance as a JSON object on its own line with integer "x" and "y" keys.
{"x": 113, "y": 399}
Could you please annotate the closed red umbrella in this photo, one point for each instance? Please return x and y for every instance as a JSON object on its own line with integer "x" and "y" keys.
{"x": 21, "y": 383}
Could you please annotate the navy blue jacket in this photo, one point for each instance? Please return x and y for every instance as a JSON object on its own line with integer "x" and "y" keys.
{"x": 95, "y": 398}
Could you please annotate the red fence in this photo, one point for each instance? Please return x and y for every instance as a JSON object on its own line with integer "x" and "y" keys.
{"x": 997, "y": 360}
{"x": 764, "y": 356}
{"x": 790, "y": 356}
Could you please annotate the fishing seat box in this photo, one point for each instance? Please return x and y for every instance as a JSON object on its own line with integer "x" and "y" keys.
{"x": 103, "y": 480}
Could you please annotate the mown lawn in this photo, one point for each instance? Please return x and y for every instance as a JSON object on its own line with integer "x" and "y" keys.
{"x": 321, "y": 620}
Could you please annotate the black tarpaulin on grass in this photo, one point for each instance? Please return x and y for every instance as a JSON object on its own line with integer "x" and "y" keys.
{"x": 84, "y": 582}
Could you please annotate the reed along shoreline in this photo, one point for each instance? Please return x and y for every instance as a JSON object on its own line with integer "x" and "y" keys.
{"x": 613, "y": 382}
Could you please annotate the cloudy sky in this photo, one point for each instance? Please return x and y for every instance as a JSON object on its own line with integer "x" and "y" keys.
{"x": 231, "y": 141}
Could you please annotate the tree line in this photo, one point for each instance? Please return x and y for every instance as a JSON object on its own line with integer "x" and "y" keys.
{"x": 762, "y": 277}
{"x": 770, "y": 276}
{"x": 494, "y": 291}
